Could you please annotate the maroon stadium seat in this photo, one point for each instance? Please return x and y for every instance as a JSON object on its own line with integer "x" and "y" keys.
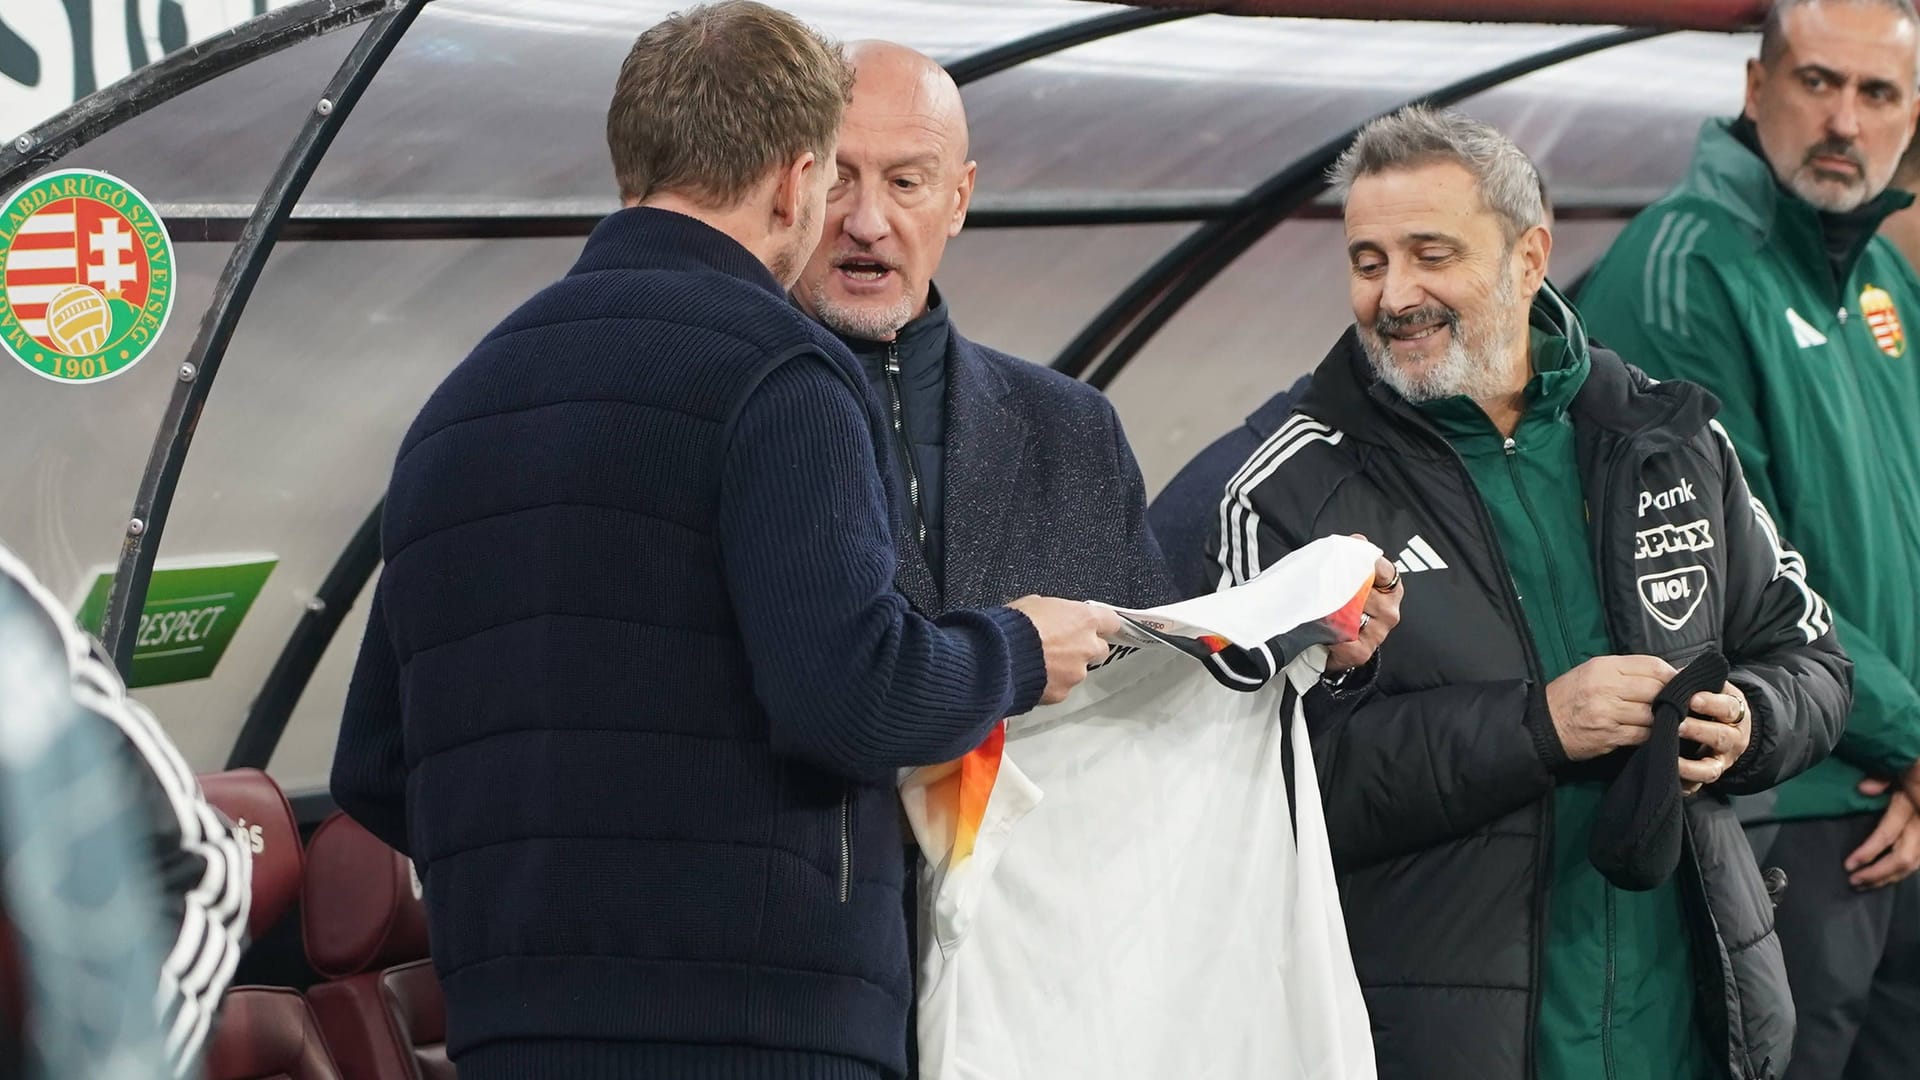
{"x": 366, "y": 932}
{"x": 264, "y": 1032}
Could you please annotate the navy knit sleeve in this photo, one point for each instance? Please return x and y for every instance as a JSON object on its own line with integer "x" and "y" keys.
{"x": 369, "y": 777}
{"x": 852, "y": 678}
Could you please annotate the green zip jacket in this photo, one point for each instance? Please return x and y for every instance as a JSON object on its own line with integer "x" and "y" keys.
{"x": 1616, "y": 978}
{"x": 1726, "y": 281}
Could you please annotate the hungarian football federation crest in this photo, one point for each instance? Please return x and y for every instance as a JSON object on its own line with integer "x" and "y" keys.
{"x": 1883, "y": 320}
{"x": 88, "y": 276}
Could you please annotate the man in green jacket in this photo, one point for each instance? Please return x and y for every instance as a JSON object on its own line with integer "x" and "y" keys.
{"x": 1761, "y": 277}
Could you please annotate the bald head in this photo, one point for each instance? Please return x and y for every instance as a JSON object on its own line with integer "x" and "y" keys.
{"x": 902, "y": 190}
{"x": 910, "y": 84}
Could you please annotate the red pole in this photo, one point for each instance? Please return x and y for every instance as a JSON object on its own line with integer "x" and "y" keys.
{"x": 1676, "y": 14}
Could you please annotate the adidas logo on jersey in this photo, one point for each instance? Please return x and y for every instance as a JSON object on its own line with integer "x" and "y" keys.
{"x": 1418, "y": 555}
{"x": 1804, "y": 335}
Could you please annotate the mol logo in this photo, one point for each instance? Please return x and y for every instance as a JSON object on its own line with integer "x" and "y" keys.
{"x": 1673, "y": 596}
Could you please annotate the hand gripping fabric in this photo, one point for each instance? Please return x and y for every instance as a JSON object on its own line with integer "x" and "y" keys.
{"x": 1636, "y": 835}
{"x": 1117, "y": 887}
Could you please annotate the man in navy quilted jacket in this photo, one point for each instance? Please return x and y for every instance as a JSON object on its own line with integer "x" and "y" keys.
{"x": 636, "y": 680}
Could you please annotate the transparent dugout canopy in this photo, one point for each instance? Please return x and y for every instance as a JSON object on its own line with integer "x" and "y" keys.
{"x": 469, "y": 171}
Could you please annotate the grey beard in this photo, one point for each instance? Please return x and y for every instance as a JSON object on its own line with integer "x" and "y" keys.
{"x": 1471, "y": 367}
{"x": 1823, "y": 196}
{"x": 864, "y": 323}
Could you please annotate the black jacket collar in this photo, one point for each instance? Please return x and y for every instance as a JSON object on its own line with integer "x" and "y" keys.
{"x": 925, "y": 338}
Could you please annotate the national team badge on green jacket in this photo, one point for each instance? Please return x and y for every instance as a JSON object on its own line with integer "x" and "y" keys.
{"x": 1877, "y": 305}
{"x": 89, "y": 276}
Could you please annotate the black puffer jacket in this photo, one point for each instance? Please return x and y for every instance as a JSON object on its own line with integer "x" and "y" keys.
{"x": 1437, "y": 779}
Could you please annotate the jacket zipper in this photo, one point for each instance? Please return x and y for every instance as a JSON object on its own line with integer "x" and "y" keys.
{"x": 906, "y": 444}
{"x": 1606, "y": 1004}
{"x": 1560, "y": 613}
{"x": 846, "y": 845}
{"x": 1542, "y": 850}
{"x": 1542, "y": 844}
{"x": 1512, "y": 450}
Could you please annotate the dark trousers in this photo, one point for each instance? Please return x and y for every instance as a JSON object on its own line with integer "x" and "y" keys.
{"x": 1853, "y": 958}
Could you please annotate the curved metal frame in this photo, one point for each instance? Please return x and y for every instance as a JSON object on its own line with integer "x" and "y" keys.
{"x": 1151, "y": 300}
{"x": 230, "y": 296}
{"x": 224, "y": 224}
{"x": 273, "y": 708}
{"x": 1232, "y": 226}
{"x": 268, "y": 716}
{"x": 1666, "y": 14}
{"x": 219, "y": 224}
{"x": 1055, "y": 39}
{"x": 173, "y": 75}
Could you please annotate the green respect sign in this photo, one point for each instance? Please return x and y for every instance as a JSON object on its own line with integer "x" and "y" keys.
{"x": 191, "y": 616}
